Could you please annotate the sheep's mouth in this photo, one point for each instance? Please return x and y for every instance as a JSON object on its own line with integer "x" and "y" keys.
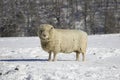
{"x": 44, "y": 39}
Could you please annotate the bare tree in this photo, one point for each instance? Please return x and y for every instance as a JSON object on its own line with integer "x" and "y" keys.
{"x": 21, "y": 17}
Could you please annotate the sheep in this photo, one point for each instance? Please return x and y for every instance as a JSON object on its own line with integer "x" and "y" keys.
{"x": 62, "y": 41}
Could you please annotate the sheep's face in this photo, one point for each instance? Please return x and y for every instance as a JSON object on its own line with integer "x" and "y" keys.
{"x": 45, "y": 32}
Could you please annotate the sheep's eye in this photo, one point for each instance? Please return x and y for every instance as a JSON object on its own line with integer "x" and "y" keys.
{"x": 41, "y": 31}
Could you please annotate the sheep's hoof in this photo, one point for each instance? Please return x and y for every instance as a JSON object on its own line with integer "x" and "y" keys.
{"x": 54, "y": 60}
{"x": 49, "y": 60}
{"x": 83, "y": 60}
{"x": 77, "y": 60}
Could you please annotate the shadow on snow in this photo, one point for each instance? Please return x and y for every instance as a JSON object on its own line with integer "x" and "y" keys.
{"x": 16, "y": 60}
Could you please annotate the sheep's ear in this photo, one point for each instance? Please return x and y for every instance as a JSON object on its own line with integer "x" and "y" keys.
{"x": 51, "y": 28}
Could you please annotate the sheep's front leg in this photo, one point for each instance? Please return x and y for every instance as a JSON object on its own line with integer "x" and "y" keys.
{"x": 49, "y": 59}
{"x": 54, "y": 57}
{"x": 77, "y": 56}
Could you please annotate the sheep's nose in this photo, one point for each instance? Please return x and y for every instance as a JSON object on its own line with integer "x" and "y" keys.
{"x": 44, "y": 35}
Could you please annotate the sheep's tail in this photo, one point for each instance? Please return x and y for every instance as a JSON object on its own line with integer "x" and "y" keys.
{"x": 85, "y": 43}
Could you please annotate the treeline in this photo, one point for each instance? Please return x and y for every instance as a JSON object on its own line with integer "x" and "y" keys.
{"x": 22, "y": 17}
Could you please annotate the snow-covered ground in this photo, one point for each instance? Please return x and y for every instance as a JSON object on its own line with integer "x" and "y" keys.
{"x": 22, "y": 58}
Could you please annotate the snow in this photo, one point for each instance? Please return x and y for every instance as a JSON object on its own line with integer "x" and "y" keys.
{"x": 22, "y": 58}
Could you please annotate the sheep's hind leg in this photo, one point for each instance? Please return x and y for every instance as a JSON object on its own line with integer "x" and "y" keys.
{"x": 83, "y": 56}
{"x": 77, "y": 56}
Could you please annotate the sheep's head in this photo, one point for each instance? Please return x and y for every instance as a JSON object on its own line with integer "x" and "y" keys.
{"x": 45, "y": 31}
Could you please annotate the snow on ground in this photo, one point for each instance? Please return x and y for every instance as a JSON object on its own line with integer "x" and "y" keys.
{"x": 22, "y": 58}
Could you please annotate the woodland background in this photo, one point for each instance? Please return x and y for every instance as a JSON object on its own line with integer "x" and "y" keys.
{"x": 22, "y": 17}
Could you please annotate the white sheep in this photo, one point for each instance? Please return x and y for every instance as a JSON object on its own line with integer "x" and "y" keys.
{"x": 60, "y": 40}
